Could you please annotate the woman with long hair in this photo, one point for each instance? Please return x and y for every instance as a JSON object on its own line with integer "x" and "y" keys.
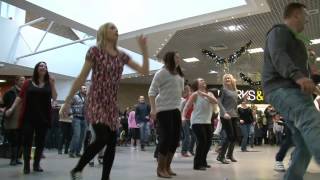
{"x": 228, "y": 103}
{"x": 202, "y": 102}
{"x": 36, "y": 96}
{"x": 106, "y": 62}
{"x": 165, "y": 97}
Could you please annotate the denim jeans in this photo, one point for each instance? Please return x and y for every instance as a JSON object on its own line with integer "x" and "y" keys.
{"x": 79, "y": 128}
{"x": 278, "y": 137}
{"x": 251, "y": 135}
{"x": 192, "y": 141}
{"x": 304, "y": 123}
{"x": 186, "y": 136}
{"x": 144, "y": 132}
{"x": 245, "y": 130}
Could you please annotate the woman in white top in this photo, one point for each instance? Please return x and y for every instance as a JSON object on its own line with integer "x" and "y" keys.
{"x": 202, "y": 102}
{"x": 165, "y": 96}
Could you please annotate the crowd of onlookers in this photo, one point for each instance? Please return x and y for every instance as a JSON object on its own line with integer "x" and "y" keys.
{"x": 137, "y": 129}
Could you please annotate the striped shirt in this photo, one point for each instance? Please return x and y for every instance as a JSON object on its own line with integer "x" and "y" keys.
{"x": 167, "y": 89}
{"x": 77, "y": 105}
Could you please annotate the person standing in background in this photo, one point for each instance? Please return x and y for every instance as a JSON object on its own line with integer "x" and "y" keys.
{"x": 79, "y": 124}
{"x": 12, "y": 130}
{"x": 142, "y": 118}
{"x": 133, "y": 129}
{"x": 246, "y": 121}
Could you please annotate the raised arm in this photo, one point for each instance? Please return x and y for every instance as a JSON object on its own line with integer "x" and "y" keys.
{"x": 144, "y": 69}
{"x": 54, "y": 93}
{"x": 191, "y": 100}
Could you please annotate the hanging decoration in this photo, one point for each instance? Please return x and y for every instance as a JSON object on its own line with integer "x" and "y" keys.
{"x": 231, "y": 58}
{"x": 249, "y": 80}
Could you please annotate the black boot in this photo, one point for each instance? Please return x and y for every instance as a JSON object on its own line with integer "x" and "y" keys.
{"x": 13, "y": 158}
{"x": 37, "y": 157}
{"x": 230, "y": 152}
{"x": 26, "y": 158}
{"x": 26, "y": 167}
{"x": 222, "y": 159}
{"x": 18, "y": 162}
{"x": 13, "y": 162}
{"x": 232, "y": 159}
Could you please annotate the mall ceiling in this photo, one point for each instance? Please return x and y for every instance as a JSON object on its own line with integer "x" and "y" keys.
{"x": 189, "y": 42}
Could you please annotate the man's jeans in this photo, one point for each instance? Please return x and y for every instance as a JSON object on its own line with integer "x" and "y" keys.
{"x": 251, "y": 135}
{"x": 245, "y": 130}
{"x": 304, "y": 123}
{"x": 186, "y": 136}
{"x": 79, "y": 128}
{"x": 144, "y": 132}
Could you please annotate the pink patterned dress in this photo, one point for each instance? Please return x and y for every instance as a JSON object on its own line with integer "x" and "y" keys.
{"x": 101, "y": 104}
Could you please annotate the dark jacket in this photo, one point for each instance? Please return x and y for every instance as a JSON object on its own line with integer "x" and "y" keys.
{"x": 285, "y": 59}
{"x": 142, "y": 110}
{"x": 9, "y": 97}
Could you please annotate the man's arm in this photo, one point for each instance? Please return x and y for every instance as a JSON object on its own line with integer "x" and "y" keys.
{"x": 278, "y": 40}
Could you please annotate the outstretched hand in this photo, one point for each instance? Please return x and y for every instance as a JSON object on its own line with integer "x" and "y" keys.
{"x": 142, "y": 41}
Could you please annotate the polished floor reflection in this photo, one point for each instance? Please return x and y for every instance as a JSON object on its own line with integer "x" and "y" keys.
{"x": 136, "y": 165}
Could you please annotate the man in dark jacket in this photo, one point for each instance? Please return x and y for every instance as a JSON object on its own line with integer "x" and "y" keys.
{"x": 288, "y": 87}
{"x": 142, "y": 118}
{"x": 11, "y": 127}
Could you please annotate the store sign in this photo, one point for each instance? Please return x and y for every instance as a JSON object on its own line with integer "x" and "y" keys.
{"x": 254, "y": 95}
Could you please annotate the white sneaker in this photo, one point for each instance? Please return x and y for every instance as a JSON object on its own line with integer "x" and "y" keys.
{"x": 279, "y": 166}
{"x": 76, "y": 175}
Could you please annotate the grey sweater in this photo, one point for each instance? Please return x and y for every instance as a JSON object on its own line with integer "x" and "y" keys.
{"x": 167, "y": 89}
{"x": 285, "y": 59}
{"x": 228, "y": 102}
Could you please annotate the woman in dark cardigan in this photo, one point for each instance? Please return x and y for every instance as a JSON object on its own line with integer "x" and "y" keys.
{"x": 36, "y": 97}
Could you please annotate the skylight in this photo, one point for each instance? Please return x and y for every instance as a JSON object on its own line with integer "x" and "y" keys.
{"x": 133, "y": 15}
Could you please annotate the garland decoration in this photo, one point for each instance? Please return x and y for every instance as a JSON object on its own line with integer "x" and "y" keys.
{"x": 231, "y": 58}
{"x": 249, "y": 80}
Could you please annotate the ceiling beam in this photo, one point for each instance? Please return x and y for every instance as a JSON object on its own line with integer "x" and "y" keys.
{"x": 51, "y": 16}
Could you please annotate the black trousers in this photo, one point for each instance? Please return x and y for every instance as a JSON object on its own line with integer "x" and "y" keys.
{"x": 65, "y": 136}
{"x": 169, "y": 125}
{"x": 230, "y": 127}
{"x": 104, "y": 137}
{"x": 15, "y": 140}
{"x": 39, "y": 132}
{"x": 203, "y": 134}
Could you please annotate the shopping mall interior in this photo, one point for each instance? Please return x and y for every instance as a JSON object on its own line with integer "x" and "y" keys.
{"x": 213, "y": 38}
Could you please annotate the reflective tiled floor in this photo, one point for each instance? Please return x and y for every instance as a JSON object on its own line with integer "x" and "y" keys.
{"x": 136, "y": 165}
